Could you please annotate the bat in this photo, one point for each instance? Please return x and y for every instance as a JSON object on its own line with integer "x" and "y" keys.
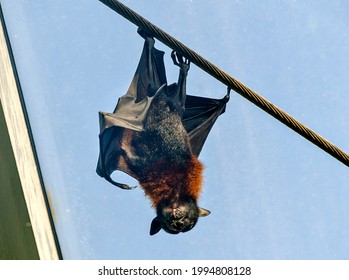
{"x": 155, "y": 134}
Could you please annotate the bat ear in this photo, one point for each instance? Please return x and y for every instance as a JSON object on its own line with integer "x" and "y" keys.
{"x": 203, "y": 212}
{"x": 155, "y": 226}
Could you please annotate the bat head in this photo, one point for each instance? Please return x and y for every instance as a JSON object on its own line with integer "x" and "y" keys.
{"x": 176, "y": 217}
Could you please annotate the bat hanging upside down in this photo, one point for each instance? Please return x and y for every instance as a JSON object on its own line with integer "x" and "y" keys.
{"x": 155, "y": 135}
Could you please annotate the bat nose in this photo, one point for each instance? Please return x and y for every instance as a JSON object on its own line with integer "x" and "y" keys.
{"x": 176, "y": 213}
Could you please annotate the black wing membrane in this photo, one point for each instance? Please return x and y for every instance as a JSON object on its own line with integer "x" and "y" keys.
{"x": 199, "y": 117}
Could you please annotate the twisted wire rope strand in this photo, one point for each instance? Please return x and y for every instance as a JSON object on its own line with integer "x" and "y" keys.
{"x": 229, "y": 81}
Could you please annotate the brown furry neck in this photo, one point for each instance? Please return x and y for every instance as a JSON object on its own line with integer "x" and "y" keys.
{"x": 170, "y": 182}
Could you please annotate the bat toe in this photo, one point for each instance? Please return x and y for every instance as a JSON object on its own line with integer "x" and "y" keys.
{"x": 180, "y": 61}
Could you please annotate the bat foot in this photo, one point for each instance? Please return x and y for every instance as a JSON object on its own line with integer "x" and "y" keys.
{"x": 180, "y": 61}
{"x": 149, "y": 39}
{"x": 227, "y": 96}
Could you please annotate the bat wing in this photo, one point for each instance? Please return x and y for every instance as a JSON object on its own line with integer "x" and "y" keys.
{"x": 199, "y": 116}
{"x": 130, "y": 112}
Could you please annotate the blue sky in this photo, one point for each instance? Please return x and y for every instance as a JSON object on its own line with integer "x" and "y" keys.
{"x": 272, "y": 194}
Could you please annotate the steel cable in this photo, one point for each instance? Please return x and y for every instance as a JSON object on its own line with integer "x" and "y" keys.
{"x": 229, "y": 81}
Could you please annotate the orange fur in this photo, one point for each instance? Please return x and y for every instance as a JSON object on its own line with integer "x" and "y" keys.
{"x": 166, "y": 182}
